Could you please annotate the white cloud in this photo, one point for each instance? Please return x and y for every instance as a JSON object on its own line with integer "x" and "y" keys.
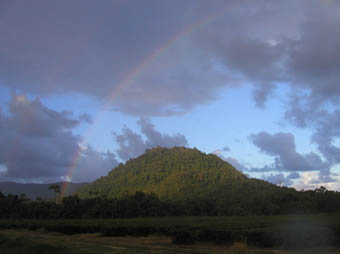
{"x": 311, "y": 180}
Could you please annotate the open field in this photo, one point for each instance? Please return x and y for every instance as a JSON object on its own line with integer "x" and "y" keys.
{"x": 280, "y": 232}
{"x": 28, "y": 242}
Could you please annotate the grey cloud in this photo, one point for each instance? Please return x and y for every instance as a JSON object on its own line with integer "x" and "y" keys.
{"x": 314, "y": 67}
{"x": 265, "y": 48}
{"x": 155, "y": 138}
{"x": 282, "y": 147}
{"x": 267, "y": 168}
{"x": 37, "y": 142}
{"x": 326, "y": 132}
{"x": 300, "y": 111}
{"x": 86, "y": 118}
{"x": 293, "y": 175}
{"x": 262, "y": 93}
{"x": 114, "y": 51}
{"x": 226, "y": 149}
{"x": 256, "y": 59}
{"x": 314, "y": 56}
{"x": 163, "y": 58}
{"x": 279, "y": 179}
{"x": 132, "y": 144}
{"x": 33, "y": 119}
{"x": 93, "y": 164}
{"x": 323, "y": 120}
{"x": 116, "y": 48}
{"x": 309, "y": 112}
{"x": 233, "y": 161}
{"x": 150, "y": 57}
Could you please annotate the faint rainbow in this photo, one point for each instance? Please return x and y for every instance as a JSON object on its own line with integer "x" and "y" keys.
{"x": 132, "y": 75}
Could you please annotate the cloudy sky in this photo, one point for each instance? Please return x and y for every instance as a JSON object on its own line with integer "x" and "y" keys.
{"x": 85, "y": 85}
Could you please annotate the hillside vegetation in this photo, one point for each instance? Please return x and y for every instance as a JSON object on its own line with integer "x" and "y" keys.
{"x": 174, "y": 182}
{"x": 176, "y": 173}
{"x": 204, "y": 184}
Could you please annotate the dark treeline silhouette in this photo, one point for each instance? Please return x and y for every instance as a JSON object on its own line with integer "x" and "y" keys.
{"x": 149, "y": 205}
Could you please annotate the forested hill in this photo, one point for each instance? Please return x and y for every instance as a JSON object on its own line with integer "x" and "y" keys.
{"x": 174, "y": 182}
{"x": 172, "y": 173}
{"x": 183, "y": 181}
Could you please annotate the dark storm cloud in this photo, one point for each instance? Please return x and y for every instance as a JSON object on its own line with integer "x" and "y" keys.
{"x": 110, "y": 50}
{"x": 147, "y": 58}
{"x": 38, "y": 143}
{"x": 282, "y": 147}
{"x": 165, "y": 57}
{"x": 132, "y": 144}
{"x": 314, "y": 57}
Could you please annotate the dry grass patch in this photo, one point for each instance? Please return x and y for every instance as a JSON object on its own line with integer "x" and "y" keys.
{"x": 95, "y": 243}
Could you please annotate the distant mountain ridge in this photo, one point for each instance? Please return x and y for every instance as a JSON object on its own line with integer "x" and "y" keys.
{"x": 33, "y": 191}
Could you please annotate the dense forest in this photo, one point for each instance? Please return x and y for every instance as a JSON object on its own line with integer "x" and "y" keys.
{"x": 288, "y": 201}
{"x": 177, "y": 173}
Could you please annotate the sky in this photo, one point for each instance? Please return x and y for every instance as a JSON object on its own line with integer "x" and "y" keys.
{"x": 86, "y": 85}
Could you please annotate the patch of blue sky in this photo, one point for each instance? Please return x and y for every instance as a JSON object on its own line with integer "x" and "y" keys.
{"x": 231, "y": 119}
{"x": 98, "y": 134}
{"x": 3, "y": 168}
{"x": 228, "y": 121}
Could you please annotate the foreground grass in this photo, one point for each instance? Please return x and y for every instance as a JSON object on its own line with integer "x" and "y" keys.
{"x": 39, "y": 242}
{"x": 285, "y": 232}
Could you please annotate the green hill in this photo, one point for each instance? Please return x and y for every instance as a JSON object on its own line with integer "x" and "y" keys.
{"x": 176, "y": 182}
{"x": 177, "y": 173}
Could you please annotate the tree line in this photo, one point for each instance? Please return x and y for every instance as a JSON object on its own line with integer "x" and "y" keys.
{"x": 142, "y": 204}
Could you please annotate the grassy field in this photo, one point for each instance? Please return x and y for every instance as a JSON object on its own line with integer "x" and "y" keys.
{"x": 38, "y": 242}
{"x": 298, "y": 232}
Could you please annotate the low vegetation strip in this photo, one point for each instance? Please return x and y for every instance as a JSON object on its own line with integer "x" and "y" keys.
{"x": 27, "y": 246}
{"x": 262, "y": 231}
{"x": 32, "y": 242}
